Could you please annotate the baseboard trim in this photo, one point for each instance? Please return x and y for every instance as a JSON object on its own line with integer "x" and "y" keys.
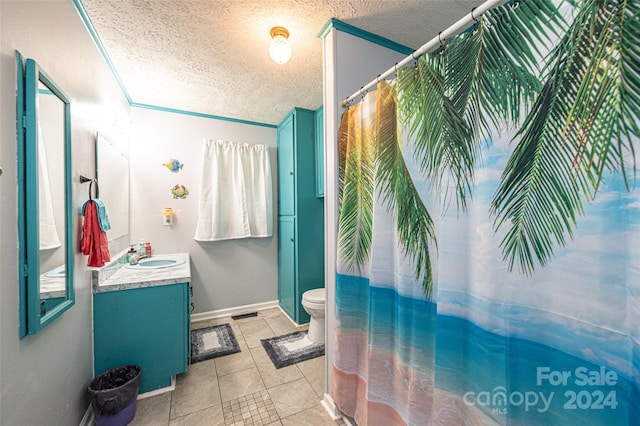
{"x": 330, "y": 406}
{"x": 295, "y": 324}
{"x": 238, "y": 310}
{"x": 160, "y": 391}
{"x": 348, "y": 421}
{"x": 87, "y": 419}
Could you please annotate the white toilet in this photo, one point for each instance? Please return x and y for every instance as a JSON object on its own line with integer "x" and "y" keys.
{"x": 313, "y": 302}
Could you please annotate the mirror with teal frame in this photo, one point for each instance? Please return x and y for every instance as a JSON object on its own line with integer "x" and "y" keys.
{"x": 45, "y": 221}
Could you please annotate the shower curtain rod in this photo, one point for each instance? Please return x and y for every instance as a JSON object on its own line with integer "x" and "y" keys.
{"x": 431, "y": 45}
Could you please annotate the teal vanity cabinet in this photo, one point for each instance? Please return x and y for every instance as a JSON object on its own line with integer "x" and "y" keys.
{"x": 301, "y": 213}
{"x": 146, "y": 326}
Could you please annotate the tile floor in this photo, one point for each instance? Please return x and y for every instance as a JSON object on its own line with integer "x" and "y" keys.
{"x": 243, "y": 388}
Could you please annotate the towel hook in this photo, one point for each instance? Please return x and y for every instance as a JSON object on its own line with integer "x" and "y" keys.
{"x": 84, "y": 179}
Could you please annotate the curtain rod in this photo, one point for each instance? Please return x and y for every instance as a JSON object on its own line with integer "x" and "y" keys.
{"x": 432, "y": 44}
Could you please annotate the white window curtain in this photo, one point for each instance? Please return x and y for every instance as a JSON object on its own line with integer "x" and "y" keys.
{"x": 236, "y": 199}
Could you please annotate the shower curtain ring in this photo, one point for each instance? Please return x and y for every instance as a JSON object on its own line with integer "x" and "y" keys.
{"x": 415, "y": 58}
{"x": 473, "y": 17}
{"x": 442, "y": 43}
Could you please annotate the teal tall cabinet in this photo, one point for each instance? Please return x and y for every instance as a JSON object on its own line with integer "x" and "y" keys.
{"x": 300, "y": 212}
{"x": 319, "y": 115}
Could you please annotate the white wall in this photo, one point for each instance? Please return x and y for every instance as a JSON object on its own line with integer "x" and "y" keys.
{"x": 43, "y": 378}
{"x": 349, "y": 63}
{"x": 224, "y": 274}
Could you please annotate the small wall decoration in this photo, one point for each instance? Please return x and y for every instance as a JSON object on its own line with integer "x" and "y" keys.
{"x": 174, "y": 165}
{"x": 179, "y": 191}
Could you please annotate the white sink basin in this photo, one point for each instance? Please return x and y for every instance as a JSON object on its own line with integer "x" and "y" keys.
{"x": 156, "y": 262}
{"x": 59, "y": 272}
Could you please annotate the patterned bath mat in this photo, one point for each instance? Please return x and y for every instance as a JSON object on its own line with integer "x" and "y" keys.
{"x": 212, "y": 342}
{"x": 291, "y": 348}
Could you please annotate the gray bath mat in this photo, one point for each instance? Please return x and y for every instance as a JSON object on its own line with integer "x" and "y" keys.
{"x": 291, "y": 348}
{"x": 212, "y": 342}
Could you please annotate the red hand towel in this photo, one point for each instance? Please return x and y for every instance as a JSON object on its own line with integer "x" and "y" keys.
{"x": 94, "y": 240}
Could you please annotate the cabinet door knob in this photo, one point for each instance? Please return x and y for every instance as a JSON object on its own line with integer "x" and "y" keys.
{"x": 291, "y": 173}
{"x": 291, "y": 238}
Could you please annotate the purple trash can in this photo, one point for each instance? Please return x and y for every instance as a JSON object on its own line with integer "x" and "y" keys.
{"x": 114, "y": 394}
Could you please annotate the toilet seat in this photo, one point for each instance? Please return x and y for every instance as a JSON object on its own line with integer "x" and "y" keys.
{"x": 315, "y": 296}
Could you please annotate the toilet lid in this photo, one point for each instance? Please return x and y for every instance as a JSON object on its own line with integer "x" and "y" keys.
{"x": 314, "y": 296}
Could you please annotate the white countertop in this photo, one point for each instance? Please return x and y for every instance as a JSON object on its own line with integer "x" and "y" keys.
{"x": 119, "y": 276}
{"x": 52, "y": 287}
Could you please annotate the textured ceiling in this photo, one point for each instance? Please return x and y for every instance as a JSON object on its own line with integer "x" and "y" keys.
{"x": 211, "y": 56}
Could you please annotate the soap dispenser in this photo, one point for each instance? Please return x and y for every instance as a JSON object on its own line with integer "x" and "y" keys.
{"x": 130, "y": 254}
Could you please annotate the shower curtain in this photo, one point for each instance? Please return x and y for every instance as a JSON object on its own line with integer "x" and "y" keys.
{"x": 236, "y": 198}
{"x": 437, "y": 321}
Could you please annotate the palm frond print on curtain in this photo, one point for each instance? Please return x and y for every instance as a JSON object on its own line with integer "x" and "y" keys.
{"x": 371, "y": 155}
{"x": 487, "y": 228}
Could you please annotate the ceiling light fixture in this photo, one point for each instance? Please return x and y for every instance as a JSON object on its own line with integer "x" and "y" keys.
{"x": 280, "y": 49}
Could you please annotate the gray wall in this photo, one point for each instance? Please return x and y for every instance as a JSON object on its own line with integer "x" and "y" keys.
{"x": 225, "y": 274}
{"x": 43, "y": 377}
